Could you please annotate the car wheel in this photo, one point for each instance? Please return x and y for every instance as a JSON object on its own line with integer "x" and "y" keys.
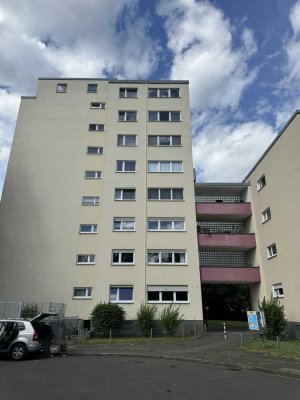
{"x": 18, "y": 352}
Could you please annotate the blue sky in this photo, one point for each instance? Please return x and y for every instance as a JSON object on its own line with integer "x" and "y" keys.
{"x": 242, "y": 58}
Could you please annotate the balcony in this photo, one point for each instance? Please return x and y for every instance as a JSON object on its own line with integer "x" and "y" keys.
{"x": 226, "y": 241}
{"x": 224, "y": 211}
{"x": 224, "y": 275}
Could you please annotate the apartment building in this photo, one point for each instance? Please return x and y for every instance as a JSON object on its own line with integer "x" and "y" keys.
{"x": 98, "y": 203}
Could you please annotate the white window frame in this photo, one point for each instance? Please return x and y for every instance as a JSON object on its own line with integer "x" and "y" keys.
{"x": 160, "y": 221}
{"x": 160, "y": 91}
{"x": 123, "y": 223}
{"x": 96, "y": 153}
{"x": 272, "y": 250}
{"x": 122, "y": 138}
{"x": 120, "y": 253}
{"x": 277, "y": 290}
{"x": 61, "y": 88}
{"x": 93, "y": 228}
{"x": 159, "y": 254}
{"x": 128, "y": 93}
{"x": 171, "y": 116}
{"x": 160, "y": 164}
{"x": 121, "y": 166}
{"x": 126, "y": 116}
{"x": 160, "y": 194}
{"x": 88, "y": 292}
{"x": 261, "y": 183}
{"x": 119, "y": 288}
{"x": 90, "y": 200}
{"x": 266, "y": 215}
{"x": 92, "y": 88}
{"x": 96, "y": 127}
{"x": 158, "y": 140}
{"x": 96, "y": 174}
{"x": 168, "y": 289}
{"x": 98, "y": 105}
{"x": 122, "y": 191}
{"x": 91, "y": 258}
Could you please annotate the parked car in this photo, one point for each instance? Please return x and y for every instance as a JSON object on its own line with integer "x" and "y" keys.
{"x": 18, "y": 337}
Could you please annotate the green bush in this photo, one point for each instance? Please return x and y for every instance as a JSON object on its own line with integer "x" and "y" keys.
{"x": 145, "y": 316}
{"x": 275, "y": 317}
{"x": 30, "y": 310}
{"x": 106, "y": 316}
{"x": 170, "y": 319}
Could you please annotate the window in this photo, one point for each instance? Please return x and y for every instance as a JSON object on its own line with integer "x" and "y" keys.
{"x": 163, "y": 92}
{"x": 165, "y": 166}
{"x": 167, "y": 294}
{"x": 90, "y": 200}
{"x": 127, "y": 116}
{"x": 96, "y": 127}
{"x": 126, "y": 140}
{"x": 128, "y": 92}
{"x": 266, "y": 215}
{"x": 123, "y": 257}
{"x": 82, "y": 293}
{"x": 94, "y": 150}
{"x": 164, "y": 116}
{"x": 166, "y": 224}
{"x": 124, "y": 224}
{"x": 88, "y": 228}
{"x": 125, "y": 166}
{"x": 121, "y": 294}
{"x": 171, "y": 257}
{"x": 124, "y": 194}
{"x": 165, "y": 194}
{"x": 272, "y": 250}
{"x": 61, "y": 88}
{"x": 92, "y": 174}
{"x": 261, "y": 183}
{"x": 97, "y": 104}
{"x": 277, "y": 290}
{"x": 157, "y": 140}
{"x": 85, "y": 259}
{"x": 92, "y": 88}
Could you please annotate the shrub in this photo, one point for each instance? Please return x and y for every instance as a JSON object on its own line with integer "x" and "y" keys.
{"x": 170, "y": 319}
{"x": 30, "y": 310}
{"x": 106, "y": 316}
{"x": 275, "y": 317}
{"x": 145, "y": 316}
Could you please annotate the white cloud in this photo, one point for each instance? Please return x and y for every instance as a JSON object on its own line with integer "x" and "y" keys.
{"x": 292, "y": 48}
{"x": 226, "y": 152}
{"x": 201, "y": 40}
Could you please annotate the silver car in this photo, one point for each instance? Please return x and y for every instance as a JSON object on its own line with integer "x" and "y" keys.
{"x": 18, "y": 337}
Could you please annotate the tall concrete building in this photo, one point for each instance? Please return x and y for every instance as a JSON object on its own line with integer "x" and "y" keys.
{"x": 98, "y": 202}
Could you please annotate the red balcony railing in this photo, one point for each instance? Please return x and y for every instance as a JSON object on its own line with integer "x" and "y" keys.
{"x": 238, "y": 210}
{"x": 224, "y": 241}
{"x": 229, "y": 275}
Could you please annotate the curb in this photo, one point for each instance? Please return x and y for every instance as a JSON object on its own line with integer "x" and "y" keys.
{"x": 284, "y": 372}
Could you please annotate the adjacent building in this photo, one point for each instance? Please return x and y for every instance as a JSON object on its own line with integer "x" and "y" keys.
{"x": 100, "y": 204}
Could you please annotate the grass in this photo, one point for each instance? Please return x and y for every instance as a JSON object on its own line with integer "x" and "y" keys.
{"x": 95, "y": 341}
{"x": 286, "y": 347}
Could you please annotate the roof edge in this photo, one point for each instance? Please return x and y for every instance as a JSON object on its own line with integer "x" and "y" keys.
{"x": 272, "y": 143}
{"x": 115, "y": 80}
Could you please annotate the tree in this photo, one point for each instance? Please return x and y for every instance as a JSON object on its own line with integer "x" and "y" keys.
{"x": 30, "y": 310}
{"x": 170, "y": 319}
{"x": 274, "y": 315}
{"x": 106, "y": 316}
{"x": 145, "y": 317}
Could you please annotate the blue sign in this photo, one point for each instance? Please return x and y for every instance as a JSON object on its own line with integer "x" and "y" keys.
{"x": 253, "y": 321}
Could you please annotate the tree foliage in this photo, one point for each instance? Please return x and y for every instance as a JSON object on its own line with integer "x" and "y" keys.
{"x": 106, "y": 316}
{"x": 170, "y": 319}
{"x": 30, "y": 310}
{"x": 145, "y": 317}
{"x": 274, "y": 315}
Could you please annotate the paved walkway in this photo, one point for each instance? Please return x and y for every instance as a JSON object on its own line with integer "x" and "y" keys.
{"x": 210, "y": 349}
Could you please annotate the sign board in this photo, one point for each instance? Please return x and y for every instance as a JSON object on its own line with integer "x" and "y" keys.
{"x": 252, "y": 320}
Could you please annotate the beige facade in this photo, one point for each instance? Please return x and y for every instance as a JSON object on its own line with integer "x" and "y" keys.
{"x": 275, "y": 193}
{"x": 98, "y": 202}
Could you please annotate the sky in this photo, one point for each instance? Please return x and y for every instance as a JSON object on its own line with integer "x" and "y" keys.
{"x": 241, "y": 57}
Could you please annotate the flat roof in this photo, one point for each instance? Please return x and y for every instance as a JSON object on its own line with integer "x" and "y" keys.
{"x": 116, "y": 80}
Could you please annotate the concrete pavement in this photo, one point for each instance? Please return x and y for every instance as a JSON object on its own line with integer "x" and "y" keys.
{"x": 211, "y": 349}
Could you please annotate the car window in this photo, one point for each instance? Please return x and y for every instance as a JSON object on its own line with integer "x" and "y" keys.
{"x": 21, "y": 326}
